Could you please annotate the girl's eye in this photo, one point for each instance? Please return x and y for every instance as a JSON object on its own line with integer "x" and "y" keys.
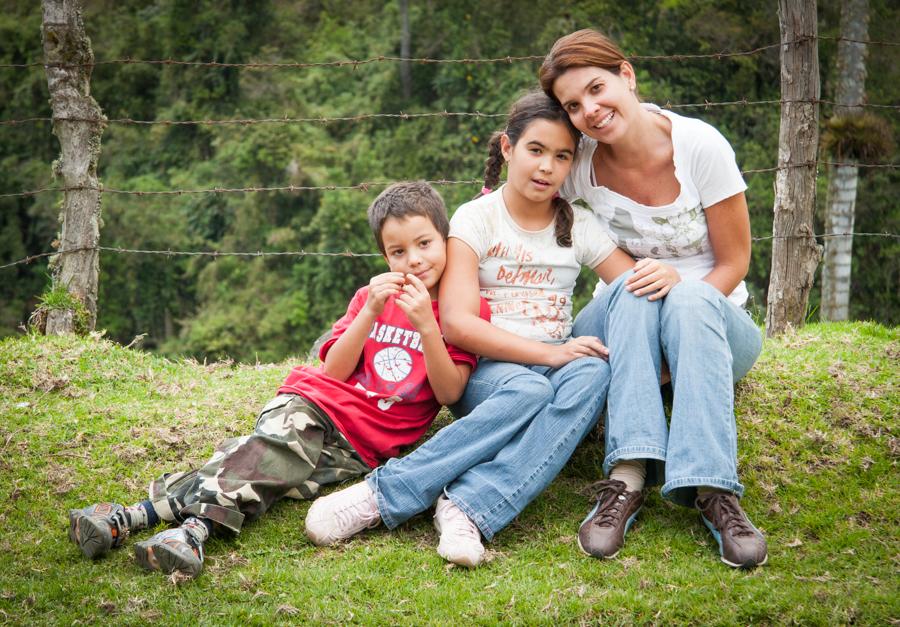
{"x": 397, "y": 253}
{"x": 563, "y": 157}
{"x": 573, "y": 107}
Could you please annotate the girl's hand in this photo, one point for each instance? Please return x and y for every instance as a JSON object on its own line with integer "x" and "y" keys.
{"x": 415, "y": 302}
{"x": 382, "y": 287}
{"x": 582, "y": 346}
{"x": 652, "y": 276}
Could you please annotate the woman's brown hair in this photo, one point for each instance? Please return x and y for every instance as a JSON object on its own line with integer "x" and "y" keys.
{"x": 583, "y": 48}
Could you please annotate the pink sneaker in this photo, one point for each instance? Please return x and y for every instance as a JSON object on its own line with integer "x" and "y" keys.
{"x": 342, "y": 514}
{"x": 460, "y": 539}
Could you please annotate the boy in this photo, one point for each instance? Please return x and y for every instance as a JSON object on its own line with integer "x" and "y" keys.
{"x": 385, "y": 373}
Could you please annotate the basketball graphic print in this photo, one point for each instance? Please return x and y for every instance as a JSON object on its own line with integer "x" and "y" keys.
{"x": 392, "y": 363}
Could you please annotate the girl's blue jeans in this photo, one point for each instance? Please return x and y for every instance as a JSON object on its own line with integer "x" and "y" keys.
{"x": 519, "y": 426}
{"x": 709, "y": 343}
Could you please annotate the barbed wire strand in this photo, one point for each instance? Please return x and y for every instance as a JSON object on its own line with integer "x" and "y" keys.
{"x": 406, "y": 116}
{"x": 366, "y": 185}
{"x": 355, "y": 63}
{"x": 347, "y": 253}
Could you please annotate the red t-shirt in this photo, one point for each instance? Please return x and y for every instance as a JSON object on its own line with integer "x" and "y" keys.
{"x": 387, "y": 403}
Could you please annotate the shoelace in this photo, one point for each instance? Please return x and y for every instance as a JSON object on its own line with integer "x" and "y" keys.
{"x": 728, "y": 513}
{"x": 120, "y": 522}
{"x": 462, "y": 525}
{"x": 352, "y": 513}
{"x": 610, "y": 493}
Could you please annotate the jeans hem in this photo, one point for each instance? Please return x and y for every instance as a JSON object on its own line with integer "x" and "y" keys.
{"x": 632, "y": 452}
{"x": 671, "y": 488}
{"x": 380, "y": 503}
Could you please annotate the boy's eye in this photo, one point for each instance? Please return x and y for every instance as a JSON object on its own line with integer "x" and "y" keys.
{"x": 563, "y": 157}
{"x": 424, "y": 243}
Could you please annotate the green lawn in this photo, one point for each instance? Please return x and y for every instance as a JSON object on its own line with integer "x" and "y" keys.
{"x": 83, "y": 420}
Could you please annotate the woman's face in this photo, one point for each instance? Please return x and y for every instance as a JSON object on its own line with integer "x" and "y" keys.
{"x": 599, "y": 102}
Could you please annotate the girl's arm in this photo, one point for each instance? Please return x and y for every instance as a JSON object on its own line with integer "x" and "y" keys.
{"x": 447, "y": 378}
{"x": 459, "y": 303}
{"x": 728, "y": 222}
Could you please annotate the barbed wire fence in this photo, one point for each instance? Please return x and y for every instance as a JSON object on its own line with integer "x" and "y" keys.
{"x": 401, "y": 116}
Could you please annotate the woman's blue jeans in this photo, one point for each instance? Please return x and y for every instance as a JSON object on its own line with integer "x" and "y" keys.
{"x": 519, "y": 426}
{"x": 709, "y": 343}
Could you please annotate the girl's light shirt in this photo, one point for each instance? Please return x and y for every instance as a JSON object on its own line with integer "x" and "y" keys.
{"x": 526, "y": 277}
{"x": 676, "y": 233}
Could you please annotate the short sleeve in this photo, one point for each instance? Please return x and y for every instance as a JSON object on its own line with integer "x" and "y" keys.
{"x": 593, "y": 243}
{"x": 714, "y": 168}
{"x": 468, "y": 225}
{"x": 337, "y": 330}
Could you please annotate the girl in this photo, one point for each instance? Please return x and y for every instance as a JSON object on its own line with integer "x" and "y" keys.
{"x": 665, "y": 187}
{"x": 537, "y": 390}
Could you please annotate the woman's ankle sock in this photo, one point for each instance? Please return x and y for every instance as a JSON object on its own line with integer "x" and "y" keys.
{"x": 632, "y": 472}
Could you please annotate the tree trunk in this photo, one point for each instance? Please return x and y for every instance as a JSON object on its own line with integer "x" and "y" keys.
{"x": 405, "y": 70}
{"x": 69, "y": 59}
{"x": 841, "y": 203}
{"x": 795, "y": 253}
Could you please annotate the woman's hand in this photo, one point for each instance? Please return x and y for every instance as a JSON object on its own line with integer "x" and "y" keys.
{"x": 651, "y": 276}
{"x": 582, "y": 346}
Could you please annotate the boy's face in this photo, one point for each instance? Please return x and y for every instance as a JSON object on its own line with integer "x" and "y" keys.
{"x": 413, "y": 246}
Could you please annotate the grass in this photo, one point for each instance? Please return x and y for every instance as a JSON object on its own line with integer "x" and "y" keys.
{"x": 84, "y": 420}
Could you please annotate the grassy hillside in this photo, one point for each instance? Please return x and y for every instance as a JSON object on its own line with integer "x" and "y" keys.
{"x": 87, "y": 420}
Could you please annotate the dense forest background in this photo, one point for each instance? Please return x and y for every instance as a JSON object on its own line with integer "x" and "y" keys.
{"x": 267, "y": 308}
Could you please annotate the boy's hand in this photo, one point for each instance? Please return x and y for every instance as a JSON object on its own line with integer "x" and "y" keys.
{"x": 382, "y": 287}
{"x": 651, "y": 276}
{"x": 415, "y": 302}
{"x": 582, "y": 346}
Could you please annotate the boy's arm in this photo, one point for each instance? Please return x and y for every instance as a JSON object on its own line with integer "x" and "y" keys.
{"x": 447, "y": 378}
{"x": 343, "y": 356}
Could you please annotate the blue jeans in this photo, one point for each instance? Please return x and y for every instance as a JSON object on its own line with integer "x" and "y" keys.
{"x": 520, "y": 425}
{"x": 709, "y": 343}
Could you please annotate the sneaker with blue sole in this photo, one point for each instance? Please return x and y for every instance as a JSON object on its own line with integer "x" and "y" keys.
{"x": 602, "y": 532}
{"x": 741, "y": 545}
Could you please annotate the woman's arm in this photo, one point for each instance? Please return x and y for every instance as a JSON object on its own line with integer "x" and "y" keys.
{"x": 728, "y": 222}
{"x": 459, "y": 304}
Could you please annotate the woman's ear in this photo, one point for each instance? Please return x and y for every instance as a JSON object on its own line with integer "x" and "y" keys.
{"x": 505, "y": 146}
{"x": 626, "y": 71}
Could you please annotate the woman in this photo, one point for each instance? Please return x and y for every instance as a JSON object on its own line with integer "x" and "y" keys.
{"x": 665, "y": 187}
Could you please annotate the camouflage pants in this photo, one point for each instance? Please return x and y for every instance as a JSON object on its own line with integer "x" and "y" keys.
{"x": 293, "y": 450}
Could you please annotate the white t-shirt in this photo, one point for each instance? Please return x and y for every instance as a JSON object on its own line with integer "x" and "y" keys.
{"x": 526, "y": 277}
{"x": 677, "y": 233}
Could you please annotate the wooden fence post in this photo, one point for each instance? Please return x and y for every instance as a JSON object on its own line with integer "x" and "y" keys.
{"x": 795, "y": 254}
{"x": 69, "y": 63}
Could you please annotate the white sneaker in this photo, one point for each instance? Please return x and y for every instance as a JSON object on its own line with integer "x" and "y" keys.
{"x": 460, "y": 539}
{"x": 342, "y": 514}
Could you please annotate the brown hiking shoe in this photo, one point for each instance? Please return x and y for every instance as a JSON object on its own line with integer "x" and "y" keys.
{"x": 741, "y": 545}
{"x": 602, "y": 532}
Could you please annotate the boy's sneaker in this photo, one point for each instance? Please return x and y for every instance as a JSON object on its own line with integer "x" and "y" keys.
{"x": 179, "y": 549}
{"x": 98, "y": 528}
{"x": 460, "y": 538}
{"x": 741, "y": 545}
{"x": 342, "y": 514}
{"x": 602, "y": 532}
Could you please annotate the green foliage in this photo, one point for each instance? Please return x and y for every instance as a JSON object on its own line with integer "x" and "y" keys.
{"x": 58, "y": 298}
{"x": 84, "y": 420}
{"x": 865, "y": 137}
{"x": 199, "y": 306}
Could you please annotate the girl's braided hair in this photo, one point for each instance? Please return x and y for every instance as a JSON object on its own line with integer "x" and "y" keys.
{"x": 530, "y": 107}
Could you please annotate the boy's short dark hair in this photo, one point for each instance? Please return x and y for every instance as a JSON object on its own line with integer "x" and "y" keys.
{"x": 401, "y": 200}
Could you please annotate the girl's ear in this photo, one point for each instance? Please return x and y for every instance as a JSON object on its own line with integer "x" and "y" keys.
{"x": 505, "y": 146}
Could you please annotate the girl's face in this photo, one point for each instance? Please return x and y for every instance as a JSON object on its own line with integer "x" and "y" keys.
{"x": 599, "y": 103}
{"x": 540, "y": 161}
